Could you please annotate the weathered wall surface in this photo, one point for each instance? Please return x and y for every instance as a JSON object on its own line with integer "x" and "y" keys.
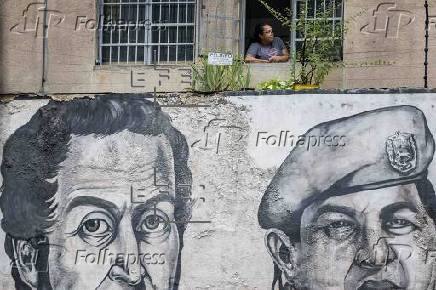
{"x": 70, "y": 55}
{"x": 350, "y": 207}
{"x": 385, "y": 43}
{"x": 383, "y": 47}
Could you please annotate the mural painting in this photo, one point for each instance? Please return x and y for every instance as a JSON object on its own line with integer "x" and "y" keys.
{"x": 360, "y": 216}
{"x": 69, "y": 181}
{"x": 118, "y": 192}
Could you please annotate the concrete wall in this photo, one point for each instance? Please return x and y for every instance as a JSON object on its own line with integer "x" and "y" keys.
{"x": 384, "y": 47}
{"x": 387, "y": 31}
{"x": 239, "y": 224}
{"x": 70, "y": 55}
{"x": 219, "y": 25}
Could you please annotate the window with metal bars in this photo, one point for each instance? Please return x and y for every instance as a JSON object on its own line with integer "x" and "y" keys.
{"x": 146, "y": 31}
{"x": 314, "y": 10}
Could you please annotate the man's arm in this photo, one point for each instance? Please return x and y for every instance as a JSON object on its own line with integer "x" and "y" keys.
{"x": 280, "y": 45}
{"x": 280, "y": 58}
{"x": 251, "y": 54}
{"x": 251, "y": 59}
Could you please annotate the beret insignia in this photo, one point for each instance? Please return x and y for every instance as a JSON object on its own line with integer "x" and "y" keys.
{"x": 401, "y": 151}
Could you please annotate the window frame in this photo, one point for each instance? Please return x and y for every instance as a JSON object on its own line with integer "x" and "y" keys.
{"x": 149, "y": 57}
{"x": 334, "y": 19}
{"x": 293, "y": 36}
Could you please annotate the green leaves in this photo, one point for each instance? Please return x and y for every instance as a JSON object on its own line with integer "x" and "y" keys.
{"x": 322, "y": 43}
{"x": 285, "y": 19}
{"x": 217, "y": 78}
{"x": 319, "y": 36}
{"x": 276, "y": 85}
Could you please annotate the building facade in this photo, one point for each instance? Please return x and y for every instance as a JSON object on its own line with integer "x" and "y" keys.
{"x": 99, "y": 46}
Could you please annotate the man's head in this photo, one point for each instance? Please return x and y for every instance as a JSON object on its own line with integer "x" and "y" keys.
{"x": 96, "y": 196}
{"x": 361, "y": 216}
{"x": 263, "y": 33}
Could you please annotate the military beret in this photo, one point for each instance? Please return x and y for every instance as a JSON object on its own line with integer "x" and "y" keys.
{"x": 383, "y": 147}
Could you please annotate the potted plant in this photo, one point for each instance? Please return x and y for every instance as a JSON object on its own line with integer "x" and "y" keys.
{"x": 320, "y": 42}
{"x": 209, "y": 78}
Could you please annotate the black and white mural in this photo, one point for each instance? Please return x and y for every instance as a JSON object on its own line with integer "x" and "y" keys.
{"x": 300, "y": 192}
{"x": 78, "y": 197}
{"x": 359, "y": 216}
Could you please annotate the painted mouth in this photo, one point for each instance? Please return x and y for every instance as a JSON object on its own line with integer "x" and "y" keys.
{"x": 379, "y": 285}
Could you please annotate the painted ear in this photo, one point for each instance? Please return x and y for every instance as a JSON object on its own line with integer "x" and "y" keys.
{"x": 25, "y": 260}
{"x": 283, "y": 253}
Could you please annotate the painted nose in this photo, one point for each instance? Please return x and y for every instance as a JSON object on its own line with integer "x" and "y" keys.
{"x": 122, "y": 271}
{"x": 376, "y": 255}
{"x": 127, "y": 266}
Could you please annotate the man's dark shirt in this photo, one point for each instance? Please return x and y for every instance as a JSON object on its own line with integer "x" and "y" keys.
{"x": 266, "y": 51}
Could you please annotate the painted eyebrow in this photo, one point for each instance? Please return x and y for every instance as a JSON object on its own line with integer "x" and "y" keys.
{"x": 94, "y": 201}
{"x": 334, "y": 209}
{"x": 113, "y": 209}
{"x": 389, "y": 210}
{"x": 149, "y": 204}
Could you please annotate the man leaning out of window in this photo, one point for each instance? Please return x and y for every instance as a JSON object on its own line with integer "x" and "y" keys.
{"x": 266, "y": 47}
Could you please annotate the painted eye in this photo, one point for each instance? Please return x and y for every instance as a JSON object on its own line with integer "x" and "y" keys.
{"x": 399, "y": 226}
{"x": 95, "y": 227}
{"x": 340, "y": 230}
{"x": 153, "y": 222}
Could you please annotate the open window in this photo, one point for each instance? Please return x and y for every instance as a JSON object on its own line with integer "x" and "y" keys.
{"x": 256, "y": 13}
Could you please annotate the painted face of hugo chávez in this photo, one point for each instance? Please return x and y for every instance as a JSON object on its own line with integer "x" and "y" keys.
{"x": 374, "y": 239}
{"x": 113, "y": 230}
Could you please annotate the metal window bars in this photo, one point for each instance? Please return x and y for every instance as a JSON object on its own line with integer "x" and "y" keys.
{"x": 133, "y": 31}
{"x": 312, "y": 10}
